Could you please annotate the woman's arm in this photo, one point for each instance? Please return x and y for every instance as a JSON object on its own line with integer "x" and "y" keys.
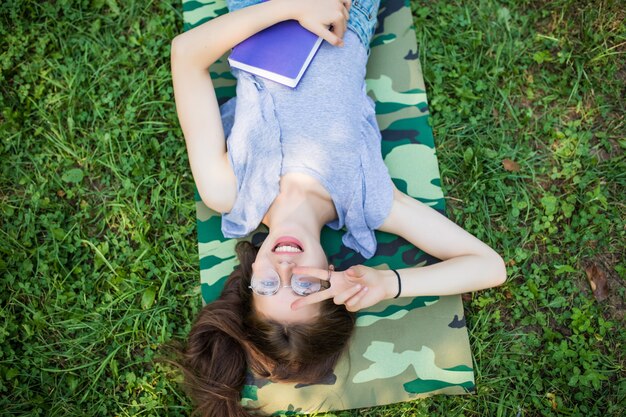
{"x": 467, "y": 263}
{"x": 193, "y": 52}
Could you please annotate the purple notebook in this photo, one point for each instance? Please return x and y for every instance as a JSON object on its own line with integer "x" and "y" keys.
{"x": 280, "y": 53}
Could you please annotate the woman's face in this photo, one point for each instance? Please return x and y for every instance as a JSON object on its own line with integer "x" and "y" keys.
{"x": 276, "y": 259}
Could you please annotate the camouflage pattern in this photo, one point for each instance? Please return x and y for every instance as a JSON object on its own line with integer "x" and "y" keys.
{"x": 402, "y": 349}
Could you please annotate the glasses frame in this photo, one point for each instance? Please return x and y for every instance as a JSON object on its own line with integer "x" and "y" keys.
{"x": 323, "y": 286}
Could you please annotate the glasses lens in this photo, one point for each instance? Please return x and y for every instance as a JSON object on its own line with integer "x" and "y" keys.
{"x": 304, "y": 285}
{"x": 265, "y": 285}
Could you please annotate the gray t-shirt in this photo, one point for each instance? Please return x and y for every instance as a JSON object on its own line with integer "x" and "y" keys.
{"x": 326, "y": 128}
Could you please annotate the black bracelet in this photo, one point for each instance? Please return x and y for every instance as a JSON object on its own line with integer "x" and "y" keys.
{"x": 399, "y": 283}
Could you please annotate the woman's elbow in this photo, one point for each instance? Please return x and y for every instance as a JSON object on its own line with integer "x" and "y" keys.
{"x": 183, "y": 51}
{"x": 177, "y": 47}
{"x": 186, "y": 50}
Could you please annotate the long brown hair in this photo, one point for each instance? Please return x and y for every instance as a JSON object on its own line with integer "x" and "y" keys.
{"x": 228, "y": 337}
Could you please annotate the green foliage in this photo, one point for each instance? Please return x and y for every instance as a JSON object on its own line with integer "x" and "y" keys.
{"x": 99, "y": 265}
{"x": 538, "y": 83}
{"x": 99, "y": 259}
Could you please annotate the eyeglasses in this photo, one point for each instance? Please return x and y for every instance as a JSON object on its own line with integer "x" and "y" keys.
{"x": 269, "y": 284}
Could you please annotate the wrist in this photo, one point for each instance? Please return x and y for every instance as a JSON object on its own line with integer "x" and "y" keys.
{"x": 288, "y": 9}
{"x": 393, "y": 284}
{"x": 399, "y": 281}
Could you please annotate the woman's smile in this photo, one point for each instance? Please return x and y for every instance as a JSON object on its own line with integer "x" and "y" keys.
{"x": 287, "y": 245}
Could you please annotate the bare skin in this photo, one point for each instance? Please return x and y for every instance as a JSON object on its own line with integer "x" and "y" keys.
{"x": 301, "y": 209}
{"x": 303, "y": 206}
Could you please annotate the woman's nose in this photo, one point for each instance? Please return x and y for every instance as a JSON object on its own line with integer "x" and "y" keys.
{"x": 284, "y": 269}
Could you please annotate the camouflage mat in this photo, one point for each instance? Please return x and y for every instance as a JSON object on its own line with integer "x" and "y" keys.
{"x": 401, "y": 350}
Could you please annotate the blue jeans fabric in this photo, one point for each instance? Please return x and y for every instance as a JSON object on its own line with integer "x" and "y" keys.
{"x": 363, "y": 16}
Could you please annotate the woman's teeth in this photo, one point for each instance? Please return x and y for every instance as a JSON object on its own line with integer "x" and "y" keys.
{"x": 286, "y": 248}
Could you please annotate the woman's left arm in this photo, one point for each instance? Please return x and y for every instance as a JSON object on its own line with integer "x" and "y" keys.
{"x": 467, "y": 264}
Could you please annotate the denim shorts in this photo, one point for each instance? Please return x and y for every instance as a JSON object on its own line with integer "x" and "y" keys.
{"x": 363, "y": 16}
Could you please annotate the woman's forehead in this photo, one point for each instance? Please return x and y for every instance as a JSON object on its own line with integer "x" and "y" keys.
{"x": 278, "y": 307}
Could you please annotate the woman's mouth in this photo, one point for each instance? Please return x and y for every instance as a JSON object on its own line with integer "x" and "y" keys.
{"x": 287, "y": 244}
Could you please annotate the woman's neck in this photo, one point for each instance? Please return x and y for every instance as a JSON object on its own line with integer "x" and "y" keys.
{"x": 301, "y": 202}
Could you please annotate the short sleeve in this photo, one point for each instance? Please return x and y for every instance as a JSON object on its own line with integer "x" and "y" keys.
{"x": 376, "y": 179}
{"x": 254, "y": 151}
{"x": 371, "y": 201}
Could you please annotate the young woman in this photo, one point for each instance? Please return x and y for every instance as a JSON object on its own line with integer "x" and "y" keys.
{"x": 296, "y": 160}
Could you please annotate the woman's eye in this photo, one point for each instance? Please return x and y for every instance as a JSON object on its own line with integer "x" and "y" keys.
{"x": 308, "y": 284}
{"x": 270, "y": 283}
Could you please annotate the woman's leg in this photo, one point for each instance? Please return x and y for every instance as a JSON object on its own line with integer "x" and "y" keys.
{"x": 240, "y": 4}
{"x": 363, "y": 17}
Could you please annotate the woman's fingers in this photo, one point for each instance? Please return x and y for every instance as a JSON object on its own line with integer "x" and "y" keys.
{"x": 312, "y": 272}
{"x": 352, "y": 302}
{"x": 340, "y": 23}
{"x": 346, "y": 12}
{"x": 326, "y": 18}
{"x": 312, "y": 299}
{"x": 329, "y": 36}
{"x": 344, "y": 296}
{"x": 347, "y": 287}
{"x": 355, "y": 272}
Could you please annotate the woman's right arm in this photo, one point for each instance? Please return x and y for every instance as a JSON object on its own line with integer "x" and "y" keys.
{"x": 193, "y": 52}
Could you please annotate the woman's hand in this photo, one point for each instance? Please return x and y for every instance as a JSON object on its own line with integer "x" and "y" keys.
{"x": 357, "y": 287}
{"x": 326, "y": 18}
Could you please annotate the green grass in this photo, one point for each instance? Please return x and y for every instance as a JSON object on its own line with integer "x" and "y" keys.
{"x": 99, "y": 263}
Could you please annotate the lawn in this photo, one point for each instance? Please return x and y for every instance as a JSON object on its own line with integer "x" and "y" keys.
{"x": 99, "y": 259}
